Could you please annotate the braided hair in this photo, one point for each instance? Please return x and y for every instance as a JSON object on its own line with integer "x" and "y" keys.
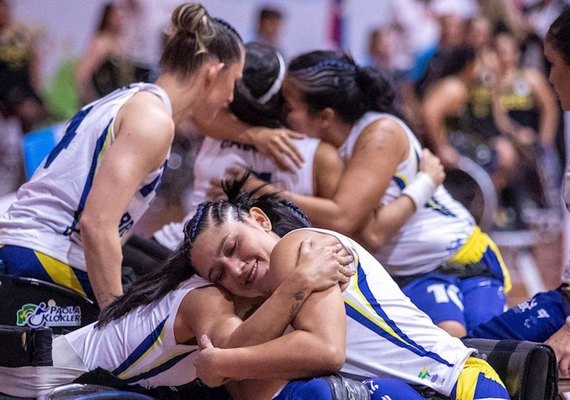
{"x": 329, "y": 79}
{"x": 284, "y": 215}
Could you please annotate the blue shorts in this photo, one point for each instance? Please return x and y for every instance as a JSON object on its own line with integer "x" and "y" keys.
{"x": 24, "y": 262}
{"x": 535, "y": 319}
{"x": 319, "y": 389}
{"x": 470, "y": 301}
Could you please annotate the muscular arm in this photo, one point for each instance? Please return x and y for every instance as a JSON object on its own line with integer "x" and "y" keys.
{"x": 378, "y": 151}
{"x": 317, "y": 345}
{"x": 143, "y": 132}
{"x": 314, "y": 269}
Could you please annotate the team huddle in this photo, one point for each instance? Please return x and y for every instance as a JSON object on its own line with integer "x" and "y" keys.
{"x": 361, "y": 273}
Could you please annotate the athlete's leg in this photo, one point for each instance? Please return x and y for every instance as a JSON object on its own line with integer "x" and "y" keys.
{"x": 483, "y": 298}
{"x": 438, "y": 295}
{"x": 535, "y": 319}
{"x": 391, "y": 389}
{"x": 478, "y": 381}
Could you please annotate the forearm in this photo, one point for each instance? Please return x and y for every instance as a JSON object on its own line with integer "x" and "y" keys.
{"x": 327, "y": 213}
{"x": 226, "y": 126}
{"x": 386, "y": 223}
{"x": 298, "y": 354}
{"x": 271, "y": 319}
{"x": 103, "y": 257}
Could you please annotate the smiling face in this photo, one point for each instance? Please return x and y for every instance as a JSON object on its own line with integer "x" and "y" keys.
{"x": 559, "y": 75}
{"x": 235, "y": 255}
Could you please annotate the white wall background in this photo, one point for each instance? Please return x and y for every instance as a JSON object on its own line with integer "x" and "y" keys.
{"x": 65, "y": 26}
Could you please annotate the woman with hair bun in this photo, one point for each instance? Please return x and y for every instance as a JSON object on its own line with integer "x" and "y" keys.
{"x": 423, "y": 237}
{"x": 68, "y": 222}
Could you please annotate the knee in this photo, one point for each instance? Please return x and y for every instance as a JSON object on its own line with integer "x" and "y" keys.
{"x": 454, "y": 328}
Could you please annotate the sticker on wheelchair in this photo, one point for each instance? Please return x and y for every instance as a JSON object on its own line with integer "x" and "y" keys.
{"x": 34, "y": 303}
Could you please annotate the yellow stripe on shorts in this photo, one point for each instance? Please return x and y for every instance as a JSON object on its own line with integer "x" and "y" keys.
{"x": 60, "y": 273}
{"x": 467, "y": 382}
{"x": 473, "y": 250}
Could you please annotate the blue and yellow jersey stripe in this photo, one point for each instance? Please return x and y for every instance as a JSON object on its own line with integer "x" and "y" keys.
{"x": 102, "y": 144}
{"x": 128, "y": 371}
{"x": 370, "y": 314}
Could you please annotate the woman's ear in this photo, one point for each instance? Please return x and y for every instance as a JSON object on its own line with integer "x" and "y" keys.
{"x": 213, "y": 72}
{"x": 261, "y": 218}
{"x": 327, "y": 116}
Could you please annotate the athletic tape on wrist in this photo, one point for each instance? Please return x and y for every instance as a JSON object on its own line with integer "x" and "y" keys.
{"x": 420, "y": 189}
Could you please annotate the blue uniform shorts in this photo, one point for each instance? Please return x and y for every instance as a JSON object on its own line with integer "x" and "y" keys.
{"x": 25, "y": 262}
{"x": 470, "y": 301}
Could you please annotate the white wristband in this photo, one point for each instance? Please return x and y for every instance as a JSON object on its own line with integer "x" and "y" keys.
{"x": 420, "y": 189}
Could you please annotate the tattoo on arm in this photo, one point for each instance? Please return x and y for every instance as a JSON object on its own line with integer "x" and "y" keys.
{"x": 299, "y": 299}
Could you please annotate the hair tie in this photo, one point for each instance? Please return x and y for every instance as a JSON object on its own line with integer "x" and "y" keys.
{"x": 276, "y": 84}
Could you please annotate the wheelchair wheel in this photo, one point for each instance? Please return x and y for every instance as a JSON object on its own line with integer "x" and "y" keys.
{"x": 77, "y": 391}
{"x": 471, "y": 185}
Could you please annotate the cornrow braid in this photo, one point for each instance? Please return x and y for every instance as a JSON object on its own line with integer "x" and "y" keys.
{"x": 296, "y": 209}
{"x": 284, "y": 215}
{"x": 196, "y": 221}
{"x": 338, "y": 64}
{"x": 228, "y": 26}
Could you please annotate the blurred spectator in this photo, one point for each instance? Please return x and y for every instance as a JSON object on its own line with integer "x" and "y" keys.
{"x": 19, "y": 72}
{"x": 269, "y": 27}
{"x": 525, "y": 109}
{"x": 444, "y": 97}
{"x": 539, "y": 14}
{"x": 479, "y": 112}
{"x": 504, "y": 15}
{"x": 144, "y": 32}
{"x": 451, "y": 34}
{"x": 104, "y": 67}
{"x": 381, "y": 55}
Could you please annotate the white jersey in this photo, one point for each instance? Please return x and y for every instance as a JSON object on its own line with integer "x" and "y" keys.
{"x": 434, "y": 232}
{"x": 140, "y": 347}
{"x": 215, "y": 156}
{"x": 46, "y": 215}
{"x": 388, "y": 336}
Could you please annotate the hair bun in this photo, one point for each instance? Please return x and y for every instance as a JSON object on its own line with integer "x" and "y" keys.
{"x": 193, "y": 19}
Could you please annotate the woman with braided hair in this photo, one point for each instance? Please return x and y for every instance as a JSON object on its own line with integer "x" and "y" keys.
{"x": 365, "y": 327}
{"x": 148, "y": 337}
{"x": 426, "y": 240}
{"x": 67, "y": 223}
